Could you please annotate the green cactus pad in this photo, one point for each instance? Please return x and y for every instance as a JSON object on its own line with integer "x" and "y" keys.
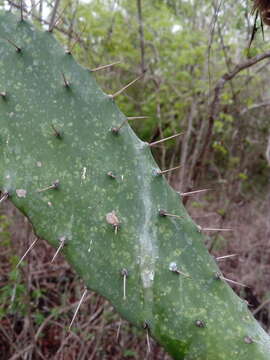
{"x": 99, "y": 191}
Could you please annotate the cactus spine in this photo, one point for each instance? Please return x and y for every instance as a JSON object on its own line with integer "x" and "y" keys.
{"x": 100, "y": 195}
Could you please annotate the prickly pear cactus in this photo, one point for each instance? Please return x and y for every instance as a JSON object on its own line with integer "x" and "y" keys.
{"x": 99, "y": 193}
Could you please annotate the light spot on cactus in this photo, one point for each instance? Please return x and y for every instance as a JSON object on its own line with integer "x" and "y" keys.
{"x": 18, "y": 108}
{"x": 21, "y": 193}
{"x": 147, "y": 234}
{"x": 248, "y": 340}
{"x": 90, "y": 246}
{"x": 39, "y": 163}
{"x": 84, "y": 173}
{"x": 148, "y": 277}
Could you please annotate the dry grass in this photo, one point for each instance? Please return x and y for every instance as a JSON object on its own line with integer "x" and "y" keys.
{"x": 249, "y": 240}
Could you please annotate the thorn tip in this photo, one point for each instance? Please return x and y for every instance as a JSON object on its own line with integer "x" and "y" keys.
{"x": 112, "y": 96}
{"x": 165, "y": 139}
{"x": 102, "y": 67}
{"x": 27, "y": 251}
{"x": 62, "y": 241}
{"x": 193, "y": 192}
{"x": 225, "y": 257}
{"x": 77, "y": 309}
{"x": 162, "y": 172}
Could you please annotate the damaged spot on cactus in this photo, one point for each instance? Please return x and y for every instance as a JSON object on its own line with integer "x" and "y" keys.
{"x": 113, "y": 220}
{"x": 200, "y": 324}
{"x": 111, "y": 175}
{"x": 248, "y": 340}
{"x": 3, "y": 95}
{"x": 21, "y": 193}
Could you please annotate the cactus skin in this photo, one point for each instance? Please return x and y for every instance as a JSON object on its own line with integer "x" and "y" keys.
{"x": 55, "y": 126}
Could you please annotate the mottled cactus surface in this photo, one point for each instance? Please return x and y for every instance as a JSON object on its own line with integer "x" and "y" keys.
{"x": 100, "y": 192}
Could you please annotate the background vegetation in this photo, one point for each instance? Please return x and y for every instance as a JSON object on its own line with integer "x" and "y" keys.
{"x": 185, "y": 48}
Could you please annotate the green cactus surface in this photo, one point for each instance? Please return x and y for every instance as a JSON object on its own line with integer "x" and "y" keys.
{"x": 100, "y": 193}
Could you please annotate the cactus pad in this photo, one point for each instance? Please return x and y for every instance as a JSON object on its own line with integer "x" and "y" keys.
{"x": 100, "y": 194}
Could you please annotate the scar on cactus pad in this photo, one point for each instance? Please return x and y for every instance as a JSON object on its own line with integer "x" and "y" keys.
{"x": 70, "y": 195}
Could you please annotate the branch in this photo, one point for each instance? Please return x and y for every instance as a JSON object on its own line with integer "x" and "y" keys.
{"x": 214, "y": 106}
{"x": 141, "y": 32}
{"x": 255, "y": 106}
{"x": 76, "y": 36}
{"x": 54, "y": 11}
